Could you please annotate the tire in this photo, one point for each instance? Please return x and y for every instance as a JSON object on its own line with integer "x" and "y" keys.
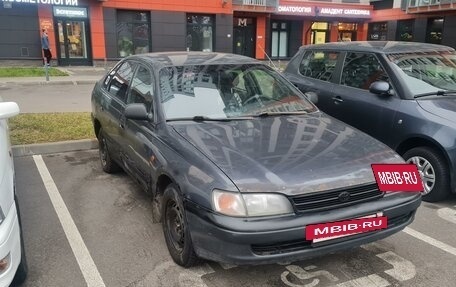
{"x": 107, "y": 164}
{"x": 432, "y": 167}
{"x": 175, "y": 229}
{"x": 22, "y": 269}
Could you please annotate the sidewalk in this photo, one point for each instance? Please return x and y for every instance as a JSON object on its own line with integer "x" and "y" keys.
{"x": 77, "y": 76}
{"x": 80, "y": 75}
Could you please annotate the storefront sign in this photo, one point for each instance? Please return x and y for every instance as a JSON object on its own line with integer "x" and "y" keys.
{"x": 296, "y": 10}
{"x": 343, "y": 12}
{"x": 46, "y": 2}
{"x": 46, "y": 24}
{"x": 70, "y": 12}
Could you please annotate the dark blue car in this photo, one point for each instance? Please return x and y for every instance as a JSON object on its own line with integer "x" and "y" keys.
{"x": 238, "y": 162}
{"x": 403, "y": 94}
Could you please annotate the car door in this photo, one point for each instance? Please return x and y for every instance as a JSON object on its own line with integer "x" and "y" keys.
{"x": 140, "y": 136}
{"x": 354, "y": 104}
{"x": 117, "y": 90}
{"x": 315, "y": 73}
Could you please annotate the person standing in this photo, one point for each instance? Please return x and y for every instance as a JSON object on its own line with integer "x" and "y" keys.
{"x": 46, "y": 48}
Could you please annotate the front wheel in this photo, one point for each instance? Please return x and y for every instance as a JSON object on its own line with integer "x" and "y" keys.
{"x": 175, "y": 228}
{"x": 107, "y": 164}
{"x": 433, "y": 170}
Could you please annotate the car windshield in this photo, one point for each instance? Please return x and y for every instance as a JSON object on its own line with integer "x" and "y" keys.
{"x": 426, "y": 72}
{"x": 227, "y": 91}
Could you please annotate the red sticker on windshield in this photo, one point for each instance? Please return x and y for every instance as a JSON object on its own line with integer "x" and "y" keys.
{"x": 397, "y": 177}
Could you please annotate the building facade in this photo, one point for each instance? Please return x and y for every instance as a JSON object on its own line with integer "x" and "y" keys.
{"x": 89, "y": 32}
{"x": 428, "y": 21}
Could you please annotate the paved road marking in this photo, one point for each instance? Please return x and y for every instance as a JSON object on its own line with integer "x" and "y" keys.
{"x": 304, "y": 274}
{"x": 402, "y": 269}
{"x": 448, "y": 214}
{"x": 367, "y": 281}
{"x": 434, "y": 242}
{"x": 81, "y": 253}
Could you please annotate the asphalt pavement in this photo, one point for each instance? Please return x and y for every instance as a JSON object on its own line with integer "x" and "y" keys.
{"x": 100, "y": 233}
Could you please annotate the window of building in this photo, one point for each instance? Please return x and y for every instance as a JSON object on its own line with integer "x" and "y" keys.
{"x": 200, "y": 30}
{"x": 347, "y": 31}
{"x": 142, "y": 88}
{"x": 118, "y": 86}
{"x": 361, "y": 70}
{"x": 378, "y": 31}
{"x": 279, "y": 39}
{"x": 133, "y": 36}
{"x": 319, "y": 64}
{"x": 405, "y": 30}
{"x": 320, "y": 33}
{"x": 434, "y": 30}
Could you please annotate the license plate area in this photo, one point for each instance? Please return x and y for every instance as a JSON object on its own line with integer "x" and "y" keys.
{"x": 332, "y": 230}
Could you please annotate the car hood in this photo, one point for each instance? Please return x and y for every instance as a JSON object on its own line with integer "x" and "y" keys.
{"x": 444, "y": 107}
{"x": 288, "y": 154}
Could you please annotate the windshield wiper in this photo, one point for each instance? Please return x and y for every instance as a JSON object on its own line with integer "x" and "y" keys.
{"x": 272, "y": 114}
{"x": 436, "y": 93}
{"x": 207, "y": 119}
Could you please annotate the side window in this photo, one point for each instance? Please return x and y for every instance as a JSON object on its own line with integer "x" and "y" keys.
{"x": 142, "y": 88}
{"x": 361, "y": 70}
{"x": 109, "y": 76}
{"x": 319, "y": 64}
{"x": 120, "y": 81}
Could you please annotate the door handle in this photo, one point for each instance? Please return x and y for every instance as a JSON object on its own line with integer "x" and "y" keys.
{"x": 337, "y": 100}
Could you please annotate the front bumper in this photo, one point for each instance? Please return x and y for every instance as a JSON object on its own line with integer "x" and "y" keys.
{"x": 274, "y": 239}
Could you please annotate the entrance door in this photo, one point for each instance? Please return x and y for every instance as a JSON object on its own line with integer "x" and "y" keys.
{"x": 244, "y": 37}
{"x": 73, "y": 46}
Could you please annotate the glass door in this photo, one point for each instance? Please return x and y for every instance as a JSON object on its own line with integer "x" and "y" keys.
{"x": 72, "y": 42}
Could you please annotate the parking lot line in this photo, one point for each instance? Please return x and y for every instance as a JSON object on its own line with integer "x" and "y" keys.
{"x": 86, "y": 264}
{"x": 434, "y": 242}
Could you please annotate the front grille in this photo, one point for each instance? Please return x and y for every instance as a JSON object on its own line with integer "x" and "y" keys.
{"x": 325, "y": 200}
{"x": 291, "y": 246}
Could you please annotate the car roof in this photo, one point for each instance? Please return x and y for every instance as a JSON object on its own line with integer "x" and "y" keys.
{"x": 386, "y": 47}
{"x": 167, "y": 59}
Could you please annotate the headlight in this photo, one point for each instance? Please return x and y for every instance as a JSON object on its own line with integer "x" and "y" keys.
{"x": 254, "y": 204}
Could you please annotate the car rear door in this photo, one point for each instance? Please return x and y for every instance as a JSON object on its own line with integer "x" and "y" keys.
{"x": 355, "y": 105}
{"x": 140, "y": 136}
{"x": 115, "y": 100}
{"x": 315, "y": 73}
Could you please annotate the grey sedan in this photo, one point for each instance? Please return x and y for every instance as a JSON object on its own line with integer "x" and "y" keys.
{"x": 403, "y": 94}
{"x": 238, "y": 162}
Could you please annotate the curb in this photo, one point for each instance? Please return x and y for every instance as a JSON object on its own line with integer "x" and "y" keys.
{"x": 57, "y": 147}
{"x": 52, "y": 83}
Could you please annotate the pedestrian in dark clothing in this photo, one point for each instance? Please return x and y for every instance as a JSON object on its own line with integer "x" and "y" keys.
{"x": 46, "y": 48}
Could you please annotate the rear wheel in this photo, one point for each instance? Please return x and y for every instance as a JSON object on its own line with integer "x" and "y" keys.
{"x": 108, "y": 165}
{"x": 175, "y": 228}
{"x": 433, "y": 170}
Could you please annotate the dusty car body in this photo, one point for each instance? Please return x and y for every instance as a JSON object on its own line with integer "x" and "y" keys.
{"x": 237, "y": 160}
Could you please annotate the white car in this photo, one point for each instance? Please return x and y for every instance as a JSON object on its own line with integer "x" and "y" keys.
{"x": 13, "y": 265}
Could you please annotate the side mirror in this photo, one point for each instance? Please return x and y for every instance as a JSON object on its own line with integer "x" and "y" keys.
{"x": 137, "y": 112}
{"x": 312, "y": 96}
{"x": 380, "y": 88}
{"x": 8, "y": 110}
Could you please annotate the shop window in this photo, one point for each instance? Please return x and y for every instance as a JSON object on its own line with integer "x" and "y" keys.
{"x": 133, "y": 36}
{"x": 434, "y": 30}
{"x": 279, "y": 39}
{"x": 361, "y": 70}
{"x": 347, "y": 32}
{"x": 320, "y": 33}
{"x": 378, "y": 31}
{"x": 200, "y": 30}
{"x": 319, "y": 65}
{"x": 405, "y": 30}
